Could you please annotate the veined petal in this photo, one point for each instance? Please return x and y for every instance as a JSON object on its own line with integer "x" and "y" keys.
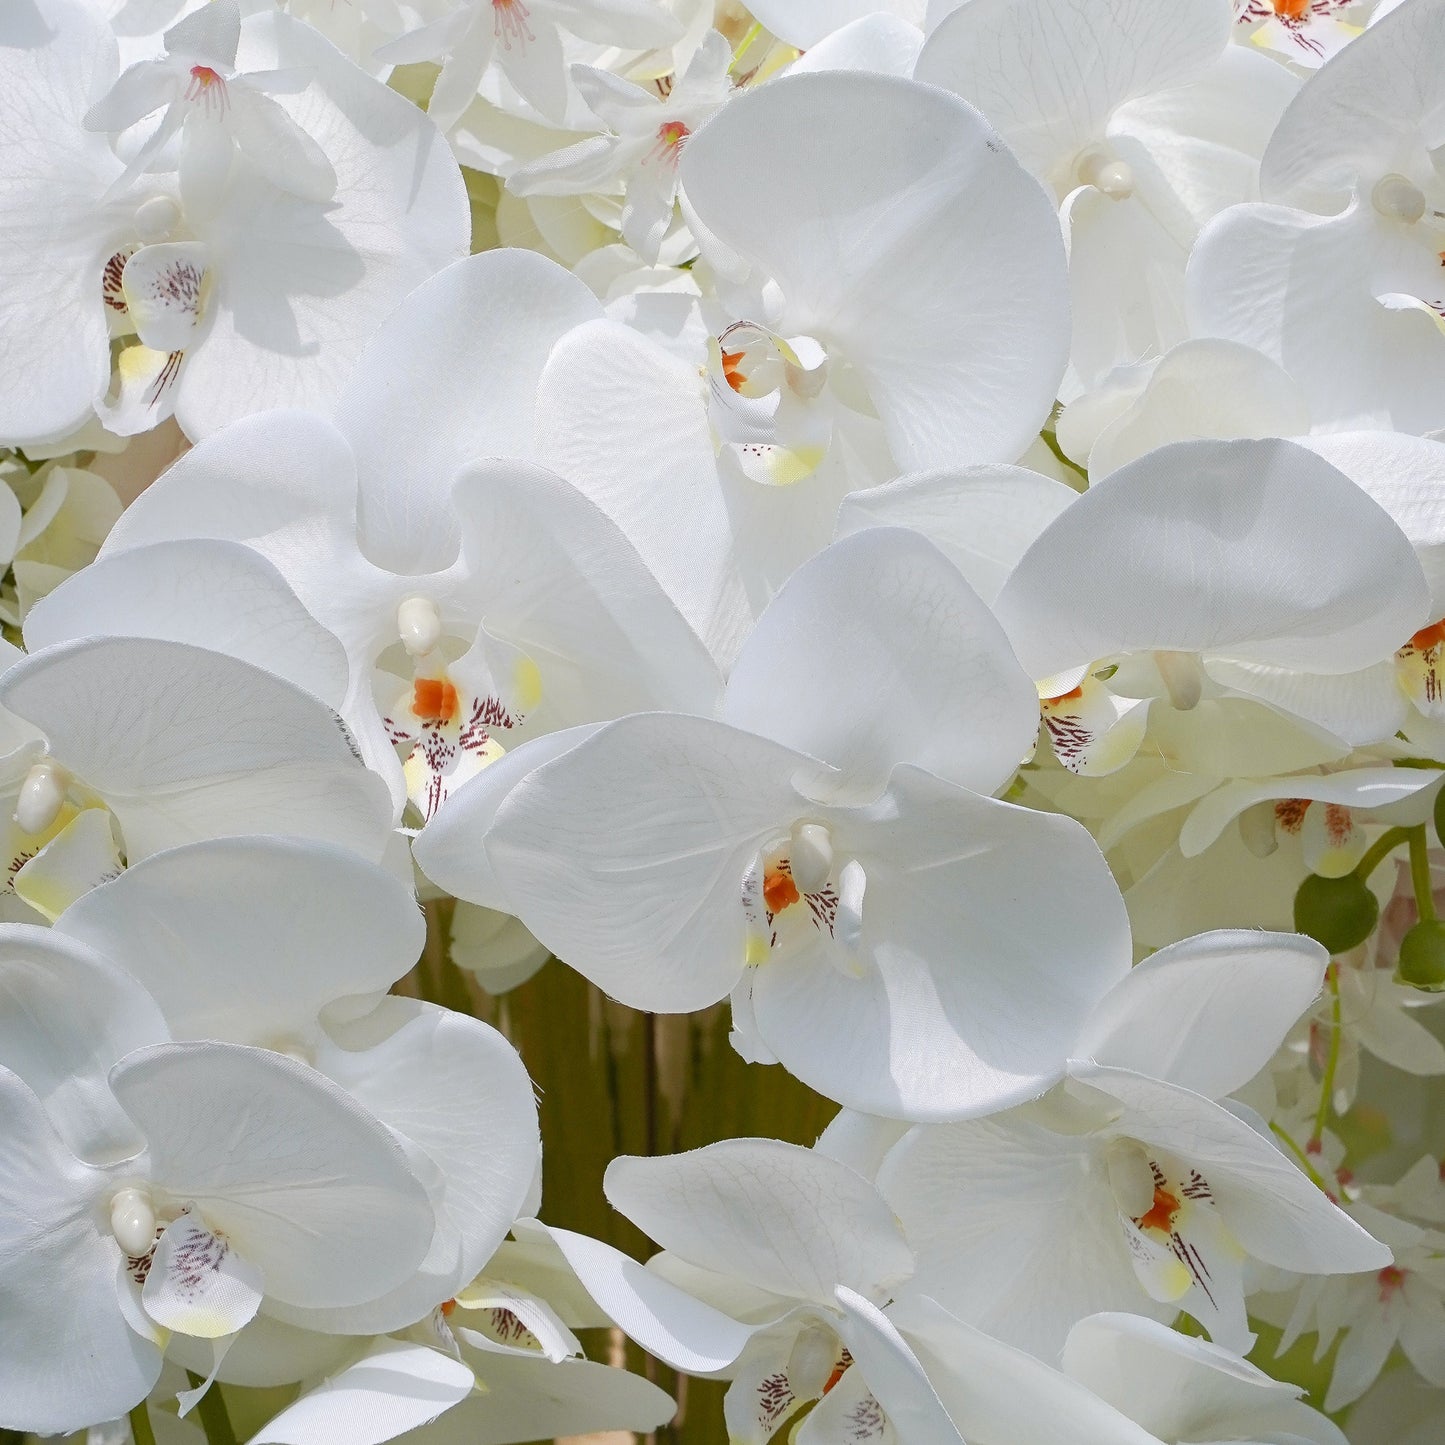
{"x": 1050, "y": 78}
{"x": 241, "y": 751}
{"x": 1289, "y": 553}
{"x": 57, "y": 230}
{"x": 70, "y": 1014}
{"x": 1206, "y": 1014}
{"x": 213, "y": 594}
{"x": 782, "y": 1217}
{"x": 993, "y": 1391}
{"x": 667, "y": 1322}
{"x": 527, "y": 1396}
{"x": 1180, "y": 1388}
{"x": 475, "y": 340}
{"x": 983, "y": 518}
{"x": 877, "y": 652}
{"x": 393, "y": 1389}
{"x": 186, "y": 925}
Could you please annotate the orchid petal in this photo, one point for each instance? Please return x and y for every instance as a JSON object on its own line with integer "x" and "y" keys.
{"x": 781, "y": 1217}
{"x": 185, "y": 924}
{"x": 1206, "y": 1014}
{"x": 70, "y": 1358}
{"x": 899, "y": 662}
{"x": 475, "y": 339}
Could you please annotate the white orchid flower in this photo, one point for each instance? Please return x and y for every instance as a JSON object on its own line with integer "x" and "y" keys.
{"x": 213, "y": 110}
{"x": 819, "y": 855}
{"x": 524, "y": 40}
{"x": 1142, "y": 1194}
{"x": 646, "y": 133}
{"x": 221, "y": 312}
{"x": 1402, "y": 1304}
{"x": 1144, "y": 123}
{"x": 256, "y": 1180}
{"x": 185, "y": 925}
{"x": 875, "y": 187}
{"x": 779, "y": 1274}
{"x": 478, "y": 601}
{"x": 1339, "y": 281}
{"x": 1242, "y": 579}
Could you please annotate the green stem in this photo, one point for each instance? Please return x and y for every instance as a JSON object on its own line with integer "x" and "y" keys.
{"x": 140, "y": 1426}
{"x": 746, "y": 43}
{"x": 1332, "y": 1060}
{"x": 1302, "y": 1157}
{"x": 1420, "y": 873}
{"x": 215, "y": 1419}
{"x": 1381, "y": 849}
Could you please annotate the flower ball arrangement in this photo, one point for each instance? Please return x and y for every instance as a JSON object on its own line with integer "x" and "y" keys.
{"x": 889, "y": 555}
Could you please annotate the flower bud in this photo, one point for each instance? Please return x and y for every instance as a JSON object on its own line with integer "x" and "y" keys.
{"x": 1337, "y": 912}
{"x": 1422, "y": 956}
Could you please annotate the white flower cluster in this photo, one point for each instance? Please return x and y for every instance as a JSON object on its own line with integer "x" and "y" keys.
{"x": 924, "y": 521}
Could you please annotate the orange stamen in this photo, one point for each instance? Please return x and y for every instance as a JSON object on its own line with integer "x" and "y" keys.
{"x": 1428, "y": 637}
{"x": 732, "y": 370}
{"x": 1066, "y": 696}
{"x": 434, "y": 699}
{"x": 448, "y": 1306}
{"x": 839, "y": 1370}
{"x": 1292, "y": 9}
{"x": 779, "y": 890}
{"x": 1161, "y": 1216}
{"x": 1391, "y": 1278}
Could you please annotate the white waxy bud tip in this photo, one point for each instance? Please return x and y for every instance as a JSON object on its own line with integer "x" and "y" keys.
{"x": 1105, "y": 173}
{"x": 133, "y": 1222}
{"x": 419, "y": 624}
{"x": 42, "y": 796}
{"x": 1398, "y": 198}
{"x": 810, "y": 855}
{"x": 156, "y": 219}
{"x": 1131, "y": 1180}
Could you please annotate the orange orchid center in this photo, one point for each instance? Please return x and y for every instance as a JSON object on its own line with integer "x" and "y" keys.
{"x": 1392, "y": 1279}
{"x": 732, "y": 362}
{"x": 672, "y": 133}
{"x": 1161, "y": 1213}
{"x": 434, "y": 699}
{"x": 1428, "y": 637}
{"x": 779, "y": 890}
{"x": 1292, "y": 9}
{"x": 1069, "y": 696}
{"x": 845, "y": 1360}
{"x": 448, "y": 1307}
